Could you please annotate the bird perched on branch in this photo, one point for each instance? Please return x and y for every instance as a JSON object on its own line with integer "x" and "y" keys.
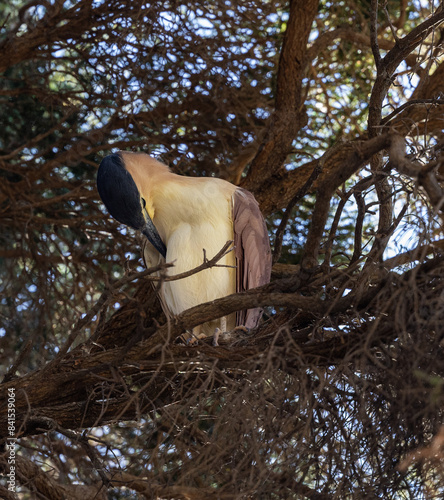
{"x": 185, "y": 219}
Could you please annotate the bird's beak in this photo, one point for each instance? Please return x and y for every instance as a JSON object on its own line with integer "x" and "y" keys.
{"x": 150, "y": 231}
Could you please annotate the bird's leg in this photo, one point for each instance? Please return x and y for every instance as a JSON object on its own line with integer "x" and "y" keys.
{"x": 223, "y": 324}
{"x": 218, "y": 331}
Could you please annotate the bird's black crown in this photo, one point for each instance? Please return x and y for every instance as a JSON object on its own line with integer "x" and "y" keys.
{"x": 119, "y": 192}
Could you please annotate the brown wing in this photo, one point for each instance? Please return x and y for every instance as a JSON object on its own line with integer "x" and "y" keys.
{"x": 253, "y": 254}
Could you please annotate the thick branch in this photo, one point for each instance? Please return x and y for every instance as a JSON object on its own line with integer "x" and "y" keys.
{"x": 73, "y": 392}
{"x": 90, "y": 388}
{"x": 289, "y": 115}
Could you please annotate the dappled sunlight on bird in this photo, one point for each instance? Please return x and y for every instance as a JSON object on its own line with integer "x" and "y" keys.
{"x": 185, "y": 219}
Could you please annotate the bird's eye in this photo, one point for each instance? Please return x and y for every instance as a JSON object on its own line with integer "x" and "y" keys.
{"x": 143, "y": 202}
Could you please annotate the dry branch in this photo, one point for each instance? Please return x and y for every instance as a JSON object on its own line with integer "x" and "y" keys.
{"x": 289, "y": 115}
{"x": 271, "y": 412}
{"x": 158, "y": 358}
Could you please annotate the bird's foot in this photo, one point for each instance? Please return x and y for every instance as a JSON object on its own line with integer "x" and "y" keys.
{"x": 228, "y": 336}
{"x": 190, "y": 338}
{"x": 240, "y": 328}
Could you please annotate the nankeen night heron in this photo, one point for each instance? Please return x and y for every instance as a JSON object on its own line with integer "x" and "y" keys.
{"x": 183, "y": 218}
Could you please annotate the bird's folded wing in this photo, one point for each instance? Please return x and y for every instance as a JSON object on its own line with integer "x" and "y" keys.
{"x": 253, "y": 254}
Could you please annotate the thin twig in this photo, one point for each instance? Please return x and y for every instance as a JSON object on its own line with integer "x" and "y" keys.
{"x": 360, "y": 202}
{"x": 300, "y": 193}
{"x": 436, "y": 101}
{"x": 374, "y": 33}
{"x": 334, "y": 226}
{"x": 392, "y": 28}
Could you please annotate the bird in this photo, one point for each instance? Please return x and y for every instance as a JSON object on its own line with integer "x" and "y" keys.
{"x": 184, "y": 220}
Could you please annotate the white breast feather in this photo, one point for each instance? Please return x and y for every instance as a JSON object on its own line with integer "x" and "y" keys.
{"x": 189, "y": 221}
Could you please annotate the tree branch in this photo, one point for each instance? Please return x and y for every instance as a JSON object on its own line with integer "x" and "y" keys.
{"x": 289, "y": 114}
